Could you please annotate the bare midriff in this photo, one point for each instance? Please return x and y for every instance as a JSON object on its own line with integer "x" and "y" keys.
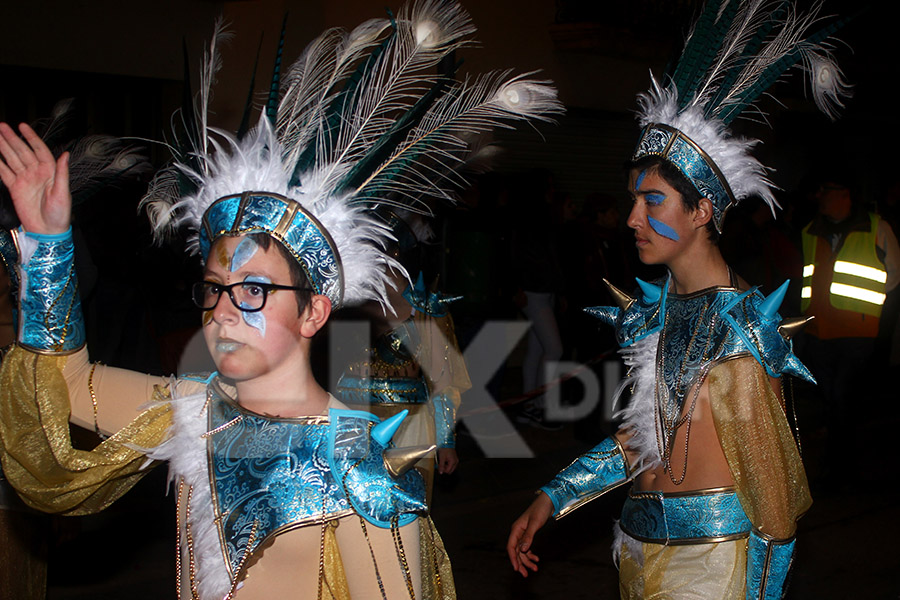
{"x": 702, "y": 467}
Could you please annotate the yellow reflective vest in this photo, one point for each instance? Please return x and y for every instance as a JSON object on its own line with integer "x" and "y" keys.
{"x": 844, "y": 291}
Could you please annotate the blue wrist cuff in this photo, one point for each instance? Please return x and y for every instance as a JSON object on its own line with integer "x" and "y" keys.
{"x": 768, "y": 564}
{"x": 590, "y": 476}
{"x": 65, "y": 236}
{"x": 444, "y": 421}
{"x": 50, "y": 319}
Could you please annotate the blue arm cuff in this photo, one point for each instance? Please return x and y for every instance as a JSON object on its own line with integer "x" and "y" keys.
{"x": 768, "y": 564}
{"x": 444, "y": 421}
{"x": 591, "y": 475}
{"x": 50, "y": 316}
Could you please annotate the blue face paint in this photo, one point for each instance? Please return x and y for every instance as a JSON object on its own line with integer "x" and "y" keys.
{"x": 639, "y": 180}
{"x": 663, "y": 229}
{"x": 243, "y": 253}
{"x": 257, "y": 320}
{"x": 654, "y": 199}
{"x": 257, "y": 279}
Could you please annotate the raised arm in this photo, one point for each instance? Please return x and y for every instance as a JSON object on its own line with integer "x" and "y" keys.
{"x": 46, "y": 381}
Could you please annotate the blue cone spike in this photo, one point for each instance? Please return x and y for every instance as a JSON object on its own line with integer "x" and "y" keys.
{"x": 793, "y": 366}
{"x": 769, "y": 307}
{"x": 652, "y": 293}
{"x": 420, "y": 285}
{"x": 384, "y": 431}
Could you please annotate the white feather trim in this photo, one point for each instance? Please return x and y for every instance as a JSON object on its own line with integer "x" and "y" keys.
{"x": 635, "y": 547}
{"x": 185, "y": 451}
{"x": 255, "y": 164}
{"x": 745, "y": 175}
{"x": 639, "y": 417}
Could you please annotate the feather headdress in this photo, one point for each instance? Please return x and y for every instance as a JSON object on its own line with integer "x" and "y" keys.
{"x": 735, "y": 51}
{"x": 360, "y": 120}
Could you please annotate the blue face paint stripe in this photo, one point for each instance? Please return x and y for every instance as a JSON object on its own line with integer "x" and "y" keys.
{"x": 243, "y": 253}
{"x": 663, "y": 229}
{"x": 639, "y": 180}
{"x": 256, "y": 320}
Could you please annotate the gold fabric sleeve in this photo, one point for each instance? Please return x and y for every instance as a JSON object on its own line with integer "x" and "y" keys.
{"x": 37, "y": 454}
{"x": 437, "y": 574}
{"x": 759, "y": 447}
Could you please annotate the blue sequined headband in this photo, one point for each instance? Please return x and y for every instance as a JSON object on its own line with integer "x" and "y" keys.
{"x": 286, "y": 221}
{"x": 674, "y": 146}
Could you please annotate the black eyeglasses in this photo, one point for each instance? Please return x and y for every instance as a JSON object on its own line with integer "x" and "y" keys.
{"x": 248, "y": 296}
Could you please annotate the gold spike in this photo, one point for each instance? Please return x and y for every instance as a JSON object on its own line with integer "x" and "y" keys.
{"x": 791, "y": 327}
{"x": 622, "y": 299}
{"x": 400, "y": 460}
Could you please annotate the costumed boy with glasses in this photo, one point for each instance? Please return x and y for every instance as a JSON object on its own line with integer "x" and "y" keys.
{"x": 282, "y": 492}
{"x": 718, "y": 483}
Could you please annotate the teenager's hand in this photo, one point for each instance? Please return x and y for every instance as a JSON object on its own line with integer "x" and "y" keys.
{"x": 522, "y": 534}
{"x": 37, "y": 182}
{"x": 447, "y": 460}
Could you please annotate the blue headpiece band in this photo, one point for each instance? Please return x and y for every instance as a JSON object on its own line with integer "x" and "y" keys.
{"x": 286, "y": 221}
{"x": 674, "y": 146}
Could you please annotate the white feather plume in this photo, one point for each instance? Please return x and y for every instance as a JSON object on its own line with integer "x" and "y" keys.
{"x": 255, "y": 164}
{"x": 745, "y": 174}
{"x": 639, "y": 417}
{"x": 741, "y": 69}
{"x": 390, "y": 66}
{"x": 433, "y": 150}
{"x": 425, "y": 33}
{"x": 212, "y": 64}
{"x": 827, "y": 81}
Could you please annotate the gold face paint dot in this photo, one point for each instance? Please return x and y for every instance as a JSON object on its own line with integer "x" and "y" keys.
{"x": 207, "y": 317}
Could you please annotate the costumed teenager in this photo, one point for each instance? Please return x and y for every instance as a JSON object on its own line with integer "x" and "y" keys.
{"x": 415, "y": 363}
{"x": 282, "y": 492}
{"x": 717, "y": 480}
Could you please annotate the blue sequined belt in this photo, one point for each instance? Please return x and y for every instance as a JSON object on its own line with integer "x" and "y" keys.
{"x": 697, "y": 518}
{"x": 382, "y": 390}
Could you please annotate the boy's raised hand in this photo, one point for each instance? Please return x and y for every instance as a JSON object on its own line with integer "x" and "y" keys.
{"x": 37, "y": 182}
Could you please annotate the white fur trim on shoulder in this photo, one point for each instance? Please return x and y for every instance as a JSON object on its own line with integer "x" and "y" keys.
{"x": 186, "y": 454}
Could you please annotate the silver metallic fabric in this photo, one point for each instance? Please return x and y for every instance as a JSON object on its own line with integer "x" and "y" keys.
{"x": 768, "y": 564}
{"x": 356, "y": 460}
{"x": 588, "y": 477}
{"x": 696, "y": 518}
{"x": 50, "y": 314}
{"x": 286, "y": 221}
{"x": 674, "y": 146}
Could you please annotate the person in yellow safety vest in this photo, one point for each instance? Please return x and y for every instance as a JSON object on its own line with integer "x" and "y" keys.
{"x": 851, "y": 264}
